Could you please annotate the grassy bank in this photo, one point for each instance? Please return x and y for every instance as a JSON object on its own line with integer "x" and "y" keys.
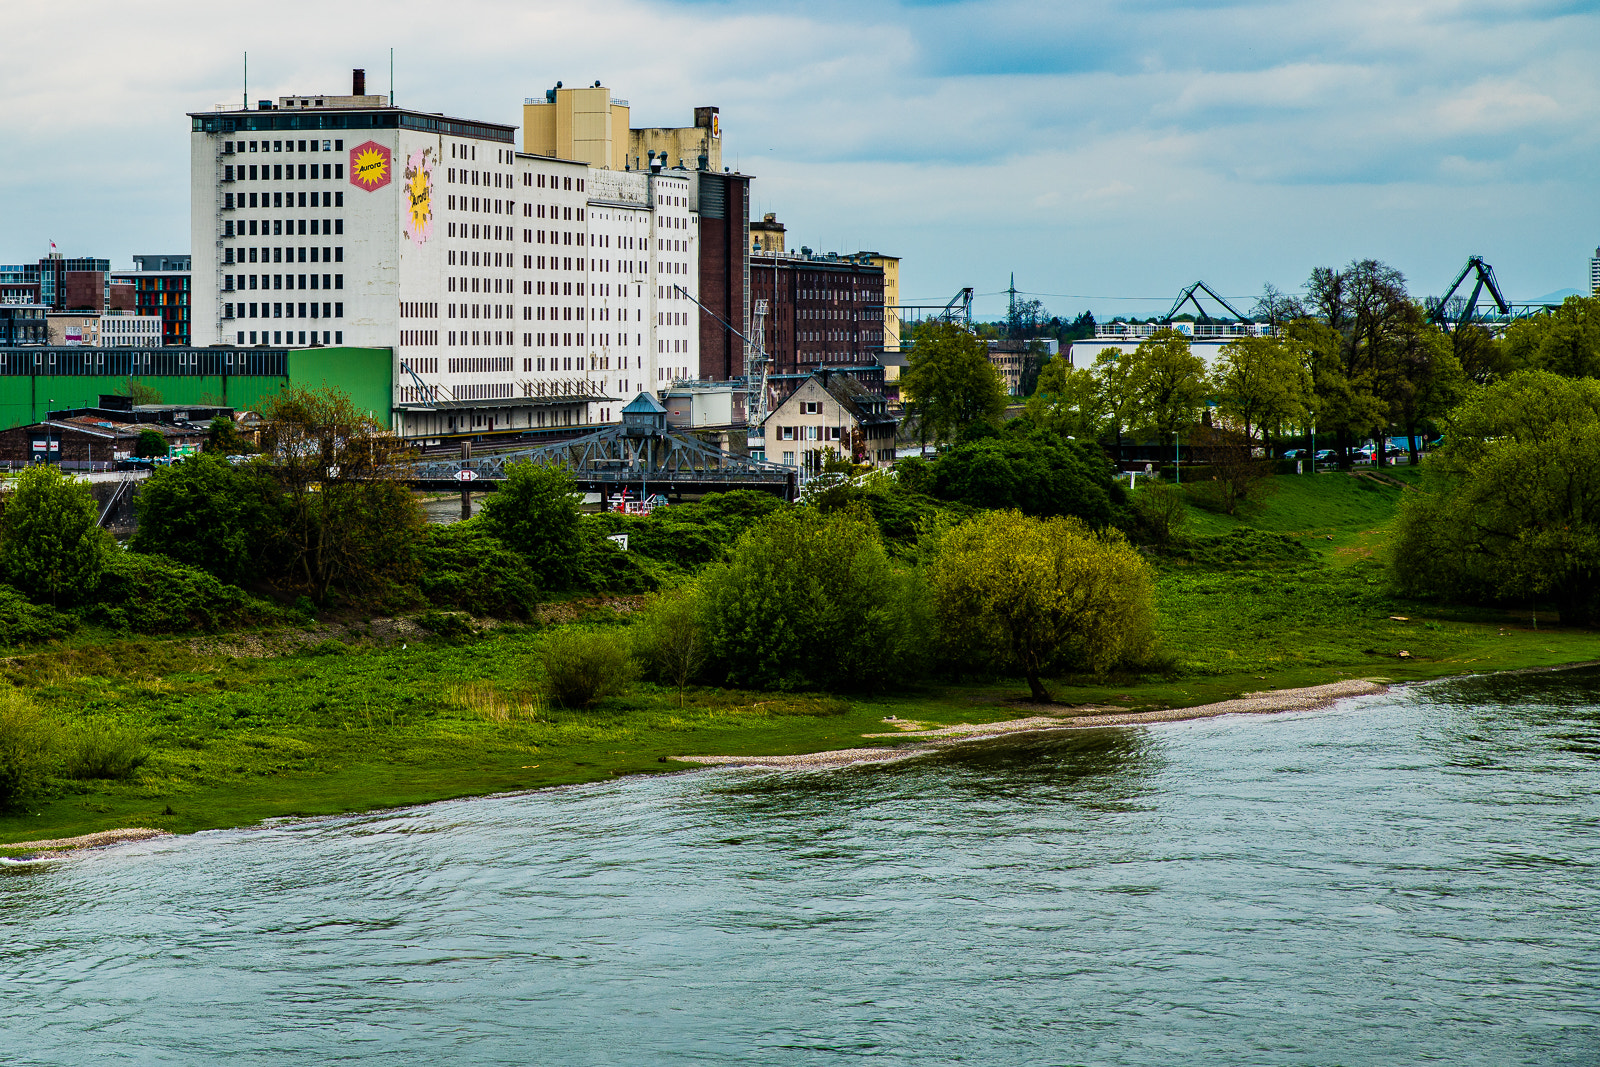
{"x": 366, "y": 723}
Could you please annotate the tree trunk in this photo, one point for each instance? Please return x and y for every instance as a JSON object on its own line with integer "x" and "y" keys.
{"x": 1040, "y": 695}
{"x": 1411, "y": 442}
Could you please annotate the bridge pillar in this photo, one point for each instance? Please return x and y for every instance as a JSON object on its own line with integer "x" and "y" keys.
{"x": 466, "y": 493}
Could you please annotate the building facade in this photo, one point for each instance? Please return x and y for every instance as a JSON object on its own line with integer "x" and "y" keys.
{"x": 822, "y": 311}
{"x": 830, "y": 412}
{"x": 516, "y": 290}
{"x": 161, "y": 286}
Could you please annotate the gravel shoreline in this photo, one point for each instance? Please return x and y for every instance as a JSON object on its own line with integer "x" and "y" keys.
{"x": 1268, "y": 703}
{"x": 94, "y": 840}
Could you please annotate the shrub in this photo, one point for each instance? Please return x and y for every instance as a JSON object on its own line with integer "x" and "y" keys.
{"x": 25, "y": 623}
{"x": 202, "y": 511}
{"x": 1158, "y": 511}
{"x": 104, "y": 749}
{"x": 451, "y": 625}
{"x": 604, "y": 567}
{"x": 51, "y": 547}
{"x": 535, "y": 514}
{"x": 671, "y": 640}
{"x": 27, "y": 744}
{"x": 1033, "y": 471}
{"x": 583, "y": 667}
{"x": 148, "y": 594}
{"x": 807, "y": 599}
{"x": 463, "y": 566}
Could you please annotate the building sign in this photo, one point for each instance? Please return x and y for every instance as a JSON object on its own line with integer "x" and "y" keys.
{"x": 371, "y": 166}
{"x": 419, "y": 196}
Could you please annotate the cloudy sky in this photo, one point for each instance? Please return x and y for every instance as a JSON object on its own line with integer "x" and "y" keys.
{"x": 1107, "y": 153}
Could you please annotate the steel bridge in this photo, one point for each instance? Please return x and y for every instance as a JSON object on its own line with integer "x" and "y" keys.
{"x": 639, "y": 456}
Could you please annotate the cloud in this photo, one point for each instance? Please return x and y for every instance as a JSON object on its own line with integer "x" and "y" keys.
{"x": 1100, "y": 147}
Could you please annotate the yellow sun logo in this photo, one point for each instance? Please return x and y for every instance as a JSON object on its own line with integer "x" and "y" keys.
{"x": 370, "y": 167}
{"x": 419, "y": 196}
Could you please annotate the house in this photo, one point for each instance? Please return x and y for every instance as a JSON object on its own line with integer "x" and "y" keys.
{"x": 830, "y": 411}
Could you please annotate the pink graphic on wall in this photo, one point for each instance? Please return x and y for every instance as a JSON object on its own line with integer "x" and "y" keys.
{"x": 419, "y": 196}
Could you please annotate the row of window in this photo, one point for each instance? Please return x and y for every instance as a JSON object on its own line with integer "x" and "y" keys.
{"x": 419, "y": 337}
{"x": 529, "y": 363}
{"x": 491, "y": 391}
{"x": 241, "y": 282}
{"x": 478, "y": 177}
{"x": 418, "y": 309}
{"x": 808, "y": 433}
{"x": 488, "y": 233}
{"x": 285, "y": 310}
{"x": 555, "y": 313}
{"x": 326, "y": 198}
{"x": 454, "y": 284}
{"x": 556, "y": 181}
{"x": 481, "y": 204}
{"x": 488, "y": 259}
{"x": 470, "y": 311}
{"x": 563, "y": 237}
{"x": 482, "y": 337}
{"x": 423, "y": 365}
{"x": 230, "y": 147}
{"x": 478, "y": 365}
{"x": 335, "y": 337}
{"x": 282, "y": 227}
{"x": 322, "y": 254}
{"x": 283, "y": 172}
{"x": 557, "y": 211}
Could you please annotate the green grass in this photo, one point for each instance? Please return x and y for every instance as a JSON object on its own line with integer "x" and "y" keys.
{"x": 233, "y": 741}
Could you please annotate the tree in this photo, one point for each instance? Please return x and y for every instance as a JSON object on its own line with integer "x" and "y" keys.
{"x": 1068, "y": 401}
{"x": 1276, "y": 308}
{"x": 150, "y": 444}
{"x": 202, "y": 511}
{"x": 1232, "y": 475}
{"x": 1169, "y": 382}
{"x": 1420, "y": 378}
{"x": 223, "y": 438}
{"x": 1033, "y": 471}
{"x": 807, "y": 599}
{"x": 1362, "y": 305}
{"x": 951, "y": 381}
{"x": 1036, "y": 595}
{"x": 1565, "y": 342}
{"x": 140, "y": 393}
{"x": 535, "y": 514}
{"x": 51, "y": 546}
{"x": 672, "y": 640}
{"x": 1262, "y": 381}
{"x": 342, "y": 515}
{"x": 1513, "y": 501}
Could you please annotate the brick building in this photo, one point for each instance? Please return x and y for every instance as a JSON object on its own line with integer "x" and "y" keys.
{"x": 823, "y": 311}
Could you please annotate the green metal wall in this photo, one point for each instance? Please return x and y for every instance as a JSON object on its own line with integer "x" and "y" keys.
{"x": 366, "y": 374}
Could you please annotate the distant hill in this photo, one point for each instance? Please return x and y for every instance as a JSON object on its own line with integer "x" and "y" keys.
{"x": 1555, "y": 297}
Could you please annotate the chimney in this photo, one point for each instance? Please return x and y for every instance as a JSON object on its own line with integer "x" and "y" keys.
{"x": 358, "y": 82}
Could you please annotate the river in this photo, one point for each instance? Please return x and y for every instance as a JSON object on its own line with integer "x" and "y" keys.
{"x": 1406, "y": 878}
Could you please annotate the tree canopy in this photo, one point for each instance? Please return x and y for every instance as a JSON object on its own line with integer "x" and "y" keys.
{"x": 201, "y": 511}
{"x": 950, "y": 381}
{"x": 51, "y": 545}
{"x": 535, "y": 513}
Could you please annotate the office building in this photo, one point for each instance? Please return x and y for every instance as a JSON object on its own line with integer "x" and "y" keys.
{"x": 516, "y": 290}
{"x": 823, "y": 310}
{"x": 161, "y": 285}
{"x": 1594, "y": 274}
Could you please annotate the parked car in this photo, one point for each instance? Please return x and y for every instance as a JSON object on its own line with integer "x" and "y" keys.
{"x": 1326, "y": 455}
{"x": 1362, "y": 455}
{"x": 1295, "y": 453}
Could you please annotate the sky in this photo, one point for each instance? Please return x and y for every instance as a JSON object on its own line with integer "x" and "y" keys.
{"x": 1105, "y": 153}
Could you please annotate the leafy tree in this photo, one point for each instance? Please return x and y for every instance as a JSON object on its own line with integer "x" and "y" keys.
{"x": 1036, "y": 595}
{"x": 28, "y": 740}
{"x": 1564, "y": 342}
{"x": 1513, "y": 507}
{"x": 150, "y": 444}
{"x": 1068, "y": 401}
{"x": 51, "y": 546}
{"x": 342, "y": 517}
{"x": 141, "y": 393}
{"x": 950, "y": 381}
{"x": 223, "y": 438}
{"x": 1262, "y": 382}
{"x": 1420, "y": 378}
{"x": 463, "y": 566}
{"x": 535, "y": 513}
{"x": 201, "y": 511}
{"x": 671, "y": 638}
{"x": 1363, "y": 305}
{"x": 1033, "y": 471}
{"x": 1169, "y": 383}
{"x": 583, "y": 667}
{"x": 807, "y": 599}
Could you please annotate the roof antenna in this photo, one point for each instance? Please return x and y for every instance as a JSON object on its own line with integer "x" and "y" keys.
{"x": 246, "y": 103}
{"x": 391, "y": 77}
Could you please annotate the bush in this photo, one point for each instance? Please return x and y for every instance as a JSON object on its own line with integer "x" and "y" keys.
{"x": 25, "y": 623}
{"x": 671, "y": 640}
{"x": 1158, "y": 511}
{"x": 148, "y": 594}
{"x": 51, "y": 546}
{"x": 605, "y": 568}
{"x": 1245, "y": 547}
{"x": 202, "y": 511}
{"x": 583, "y": 667}
{"x": 535, "y": 514}
{"x": 104, "y": 749}
{"x": 1032, "y": 471}
{"x": 463, "y": 566}
{"x": 27, "y": 743}
{"x": 451, "y": 625}
{"x": 808, "y": 599}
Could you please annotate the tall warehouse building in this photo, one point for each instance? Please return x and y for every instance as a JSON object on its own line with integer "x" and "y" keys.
{"x": 516, "y": 290}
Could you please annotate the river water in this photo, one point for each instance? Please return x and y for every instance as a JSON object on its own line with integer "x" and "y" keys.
{"x": 1402, "y": 879}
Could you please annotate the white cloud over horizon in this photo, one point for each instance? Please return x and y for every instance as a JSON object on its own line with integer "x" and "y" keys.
{"x": 1100, "y": 150}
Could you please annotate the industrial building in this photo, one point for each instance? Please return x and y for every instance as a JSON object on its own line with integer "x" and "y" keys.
{"x": 517, "y": 289}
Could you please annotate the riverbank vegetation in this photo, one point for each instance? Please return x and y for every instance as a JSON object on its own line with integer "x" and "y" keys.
{"x": 277, "y": 640}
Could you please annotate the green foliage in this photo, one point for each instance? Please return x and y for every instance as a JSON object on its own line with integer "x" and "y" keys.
{"x": 463, "y": 566}
{"x": 202, "y": 511}
{"x": 1565, "y": 342}
{"x": 1036, "y": 595}
{"x": 25, "y": 623}
{"x": 102, "y": 748}
{"x": 583, "y": 667}
{"x": 450, "y": 625}
{"x": 1262, "y": 382}
{"x": 223, "y": 439}
{"x": 27, "y": 747}
{"x": 51, "y": 547}
{"x": 150, "y": 444}
{"x": 950, "y": 381}
{"x": 535, "y": 513}
{"x": 1169, "y": 384}
{"x": 807, "y": 599}
{"x": 670, "y": 639}
{"x": 1513, "y": 507}
{"x": 141, "y": 393}
{"x": 1159, "y": 512}
{"x": 1032, "y": 471}
{"x": 603, "y": 567}
{"x": 146, "y": 594}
